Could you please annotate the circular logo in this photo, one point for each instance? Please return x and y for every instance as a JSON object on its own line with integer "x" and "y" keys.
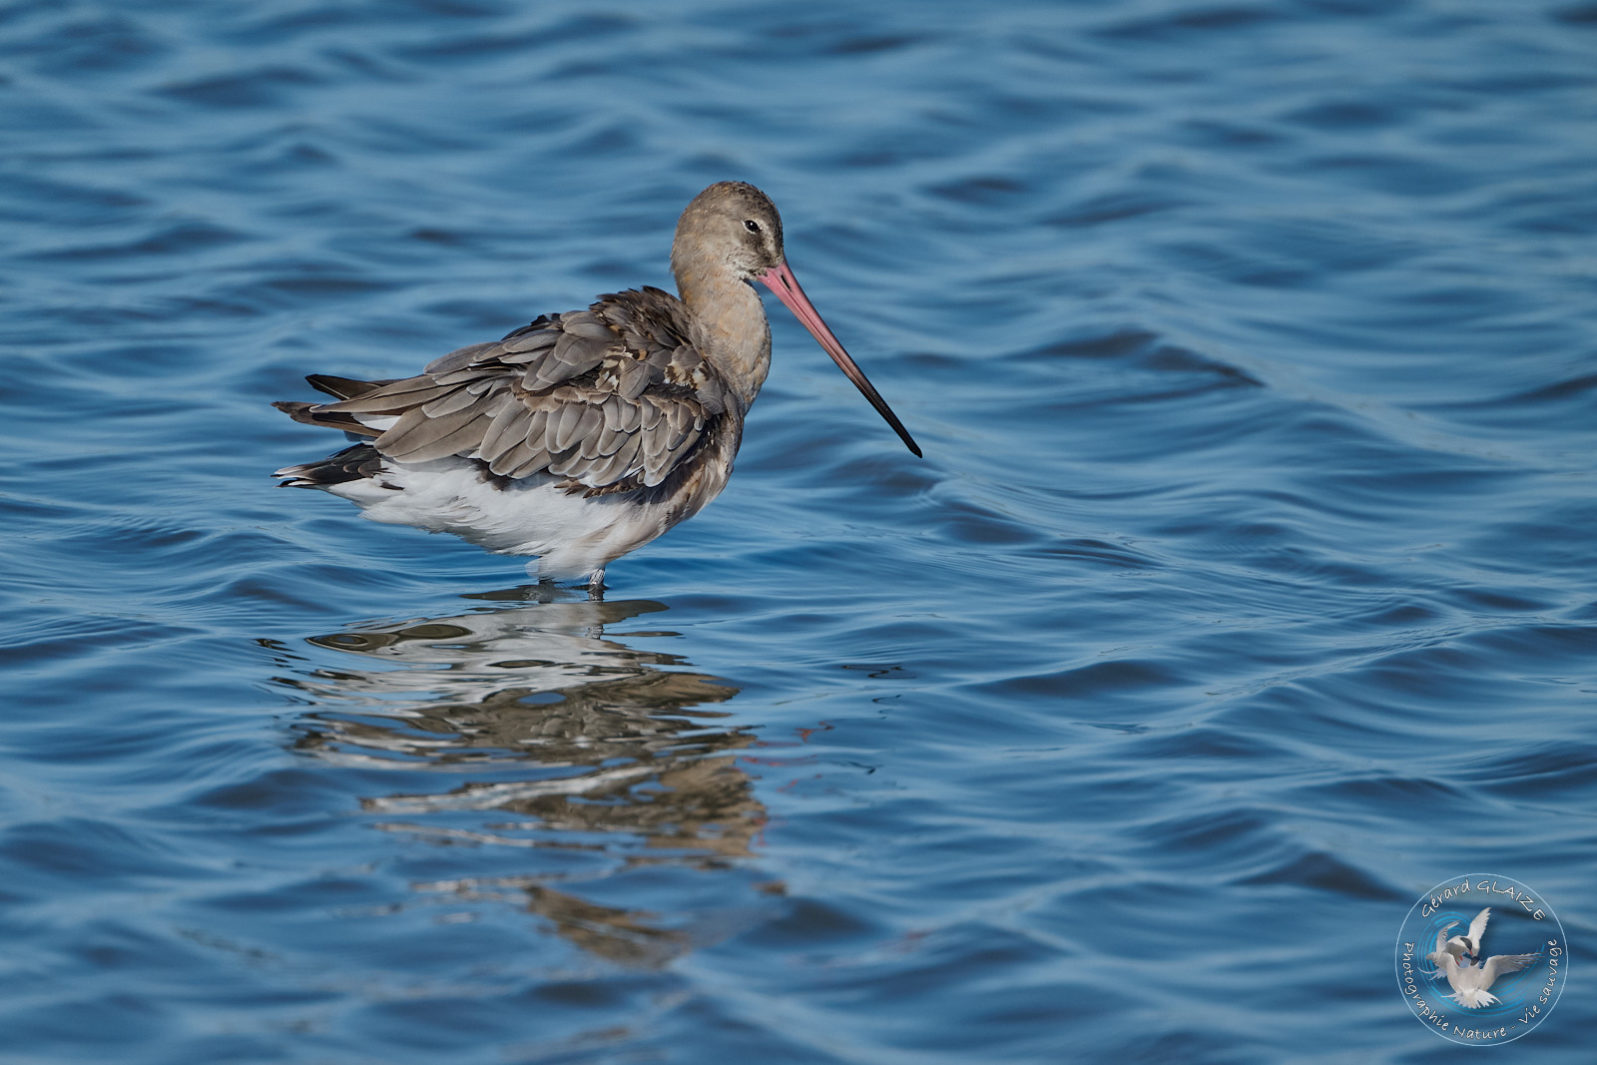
{"x": 1481, "y": 959}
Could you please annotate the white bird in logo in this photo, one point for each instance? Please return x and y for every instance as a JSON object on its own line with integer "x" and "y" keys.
{"x": 1469, "y": 981}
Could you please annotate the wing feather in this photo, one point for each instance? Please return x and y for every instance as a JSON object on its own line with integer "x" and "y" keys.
{"x": 450, "y": 402}
{"x": 1441, "y": 937}
{"x": 1477, "y": 928}
{"x": 508, "y": 428}
{"x": 610, "y": 398}
{"x": 460, "y": 357}
{"x": 626, "y": 458}
{"x": 524, "y": 459}
{"x": 563, "y": 426}
{"x": 1501, "y": 964}
{"x": 392, "y": 397}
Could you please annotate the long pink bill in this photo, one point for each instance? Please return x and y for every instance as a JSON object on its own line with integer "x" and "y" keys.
{"x": 780, "y": 280}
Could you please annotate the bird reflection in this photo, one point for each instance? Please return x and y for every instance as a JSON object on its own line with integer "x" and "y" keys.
{"x": 555, "y": 737}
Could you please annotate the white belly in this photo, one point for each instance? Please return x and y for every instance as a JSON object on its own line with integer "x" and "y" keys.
{"x": 572, "y": 535}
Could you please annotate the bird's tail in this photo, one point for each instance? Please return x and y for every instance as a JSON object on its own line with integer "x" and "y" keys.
{"x": 1475, "y": 998}
{"x": 359, "y": 462}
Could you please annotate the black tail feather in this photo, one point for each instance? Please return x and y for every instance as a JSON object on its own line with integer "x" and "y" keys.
{"x": 361, "y": 461}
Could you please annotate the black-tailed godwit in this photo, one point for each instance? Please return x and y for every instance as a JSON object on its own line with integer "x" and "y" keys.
{"x": 584, "y": 435}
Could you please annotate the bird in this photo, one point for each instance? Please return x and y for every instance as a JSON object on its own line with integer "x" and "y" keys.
{"x": 585, "y": 434}
{"x": 1470, "y": 982}
{"x": 1470, "y": 945}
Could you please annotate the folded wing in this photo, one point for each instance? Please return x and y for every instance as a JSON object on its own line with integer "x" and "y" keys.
{"x": 608, "y": 399}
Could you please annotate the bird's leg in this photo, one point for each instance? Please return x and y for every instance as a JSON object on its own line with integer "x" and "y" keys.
{"x": 596, "y": 586}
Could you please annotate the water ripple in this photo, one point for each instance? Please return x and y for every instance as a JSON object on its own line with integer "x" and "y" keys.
{"x": 1243, "y": 593}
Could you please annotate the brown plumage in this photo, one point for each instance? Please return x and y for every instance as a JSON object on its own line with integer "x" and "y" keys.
{"x": 635, "y": 405}
{"x": 610, "y": 398}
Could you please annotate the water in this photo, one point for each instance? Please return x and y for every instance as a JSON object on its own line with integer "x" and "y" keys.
{"x": 1245, "y": 591}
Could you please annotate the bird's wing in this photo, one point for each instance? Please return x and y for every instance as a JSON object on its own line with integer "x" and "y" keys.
{"x": 610, "y": 398}
{"x": 1502, "y": 964}
{"x": 1441, "y": 937}
{"x": 1477, "y": 927}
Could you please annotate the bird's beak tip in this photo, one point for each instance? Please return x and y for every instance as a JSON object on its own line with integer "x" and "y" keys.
{"x": 780, "y": 280}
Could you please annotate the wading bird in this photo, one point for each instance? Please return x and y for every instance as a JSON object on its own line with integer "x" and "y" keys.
{"x": 586, "y": 434}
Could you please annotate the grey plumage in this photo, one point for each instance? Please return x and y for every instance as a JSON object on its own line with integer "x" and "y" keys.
{"x": 582, "y": 436}
{"x": 536, "y": 401}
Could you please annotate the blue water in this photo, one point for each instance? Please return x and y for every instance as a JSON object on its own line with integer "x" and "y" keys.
{"x": 1245, "y": 591}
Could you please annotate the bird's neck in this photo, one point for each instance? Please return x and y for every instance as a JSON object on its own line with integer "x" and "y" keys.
{"x": 731, "y": 328}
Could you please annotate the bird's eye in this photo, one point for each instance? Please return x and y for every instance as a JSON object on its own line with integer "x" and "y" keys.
{"x": 751, "y": 225}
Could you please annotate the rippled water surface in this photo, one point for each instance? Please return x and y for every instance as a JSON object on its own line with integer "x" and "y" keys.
{"x": 1245, "y": 591}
